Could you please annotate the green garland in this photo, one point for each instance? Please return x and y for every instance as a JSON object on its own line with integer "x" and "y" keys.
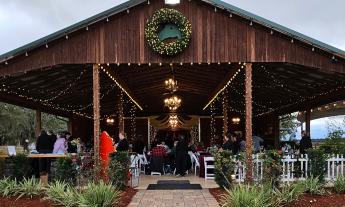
{"x": 160, "y": 17}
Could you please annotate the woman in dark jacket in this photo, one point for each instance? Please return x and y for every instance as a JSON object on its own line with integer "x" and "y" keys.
{"x": 182, "y": 157}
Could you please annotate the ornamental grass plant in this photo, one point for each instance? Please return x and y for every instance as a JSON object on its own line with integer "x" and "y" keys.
{"x": 313, "y": 186}
{"x": 94, "y": 195}
{"x": 339, "y": 184}
{"x": 287, "y": 194}
{"x": 29, "y": 188}
{"x": 99, "y": 195}
{"x": 8, "y": 187}
{"x": 61, "y": 193}
{"x": 246, "y": 196}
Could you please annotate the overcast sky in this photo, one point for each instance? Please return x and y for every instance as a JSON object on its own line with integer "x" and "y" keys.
{"x": 23, "y": 21}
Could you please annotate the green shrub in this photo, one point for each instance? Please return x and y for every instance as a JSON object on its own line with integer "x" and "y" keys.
{"x": 118, "y": 169}
{"x": 224, "y": 168}
{"x": 313, "y": 186}
{"x": 99, "y": 195}
{"x": 288, "y": 193}
{"x": 272, "y": 167}
{"x": 8, "y": 187}
{"x": 17, "y": 167}
{"x": 65, "y": 170}
{"x": 317, "y": 163}
{"x": 29, "y": 187}
{"x": 339, "y": 184}
{"x": 334, "y": 143}
{"x": 246, "y": 196}
{"x": 61, "y": 193}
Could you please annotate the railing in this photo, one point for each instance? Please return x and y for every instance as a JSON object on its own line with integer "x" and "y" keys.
{"x": 293, "y": 168}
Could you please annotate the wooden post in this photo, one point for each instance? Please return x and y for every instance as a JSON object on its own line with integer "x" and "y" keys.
{"x": 307, "y": 121}
{"x": 38, "y": 123}
{"x": 70, "y": 125}
{"x": 249, "y": 142}
{"x": 96, "y": 115}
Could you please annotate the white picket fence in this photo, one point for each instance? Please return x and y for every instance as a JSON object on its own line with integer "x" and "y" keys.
{"x": 291, "y": 164}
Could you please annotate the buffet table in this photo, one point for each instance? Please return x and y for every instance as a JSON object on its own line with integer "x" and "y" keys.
{"x": 39, "y": 156}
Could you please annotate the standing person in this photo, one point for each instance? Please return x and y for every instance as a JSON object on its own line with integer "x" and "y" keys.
{"x": 181, "y": 157}
{"x": 242, "y": 145}
{"x": 123, "y": 145}
{"x": 60, "y": 146}
{"x": 139, "y": 145}
{"x": 53, "y": 136}
{"x": 235, "y": 144}
{"x": 44, "y": 145}
{"x": 71, "y": 148}
{"x": 257, "y": 142}
{"x": 105, "y": 148}
{"x": 305, "y": 143}
{"x": 227, "y": 143}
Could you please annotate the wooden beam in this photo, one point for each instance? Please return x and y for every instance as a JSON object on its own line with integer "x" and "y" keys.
{"x": 96, "y": 113}
{"x": 249, "y": 142}
{"x": 38, "y": 122}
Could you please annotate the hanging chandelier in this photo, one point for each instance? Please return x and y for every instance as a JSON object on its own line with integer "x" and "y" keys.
{"x": 172, "y": 103}
{"x": 171, "y": 84}
{"x": 173, "y": 121}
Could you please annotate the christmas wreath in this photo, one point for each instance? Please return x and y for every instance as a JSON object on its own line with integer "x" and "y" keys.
{"x": 168, "y": 16}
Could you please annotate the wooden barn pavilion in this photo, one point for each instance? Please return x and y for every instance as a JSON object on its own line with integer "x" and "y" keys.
{"x": 237, "y": 64}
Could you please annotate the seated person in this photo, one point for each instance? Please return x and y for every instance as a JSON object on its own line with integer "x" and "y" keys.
{"x": 158, "y": 153}
{"x": 159, "y": 150}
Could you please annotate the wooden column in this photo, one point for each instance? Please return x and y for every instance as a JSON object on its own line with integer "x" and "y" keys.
{"x": 96, "y": 114}
{"x": 38, "y": 123}
{"x": 307, "y": 121}
{"x": 249, "y": 142}
{"x": 70, "y": 125}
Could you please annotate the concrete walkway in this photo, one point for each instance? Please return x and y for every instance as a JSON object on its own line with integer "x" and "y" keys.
{"x": 171, "y": 198}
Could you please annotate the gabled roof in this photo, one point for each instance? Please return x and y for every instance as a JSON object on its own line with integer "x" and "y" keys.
{"x": 132, "y": 3}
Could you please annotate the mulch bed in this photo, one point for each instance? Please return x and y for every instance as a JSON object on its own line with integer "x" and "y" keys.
{"x": 331, "y": 200}
{"x": 328, "y": 200}
{"x": 39, "y": 202}
{"x": 217, "y": 193}
{"x": 126, "y": 197}
{"x": 24, "y": 202}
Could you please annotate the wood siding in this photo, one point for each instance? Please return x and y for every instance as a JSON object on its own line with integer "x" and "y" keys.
{"x": 216, "y": 38}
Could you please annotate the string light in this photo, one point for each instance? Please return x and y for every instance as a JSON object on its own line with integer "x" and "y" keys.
{"x": 124, "y": 90}
{"x": 225, "y": 107}
{"x": 133, "y": 122}
{"x": 222, "y": 89}
{"x": 212, "y": 124}
{"x": 120, "y": 111}
{"x": 194, "y": 133}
